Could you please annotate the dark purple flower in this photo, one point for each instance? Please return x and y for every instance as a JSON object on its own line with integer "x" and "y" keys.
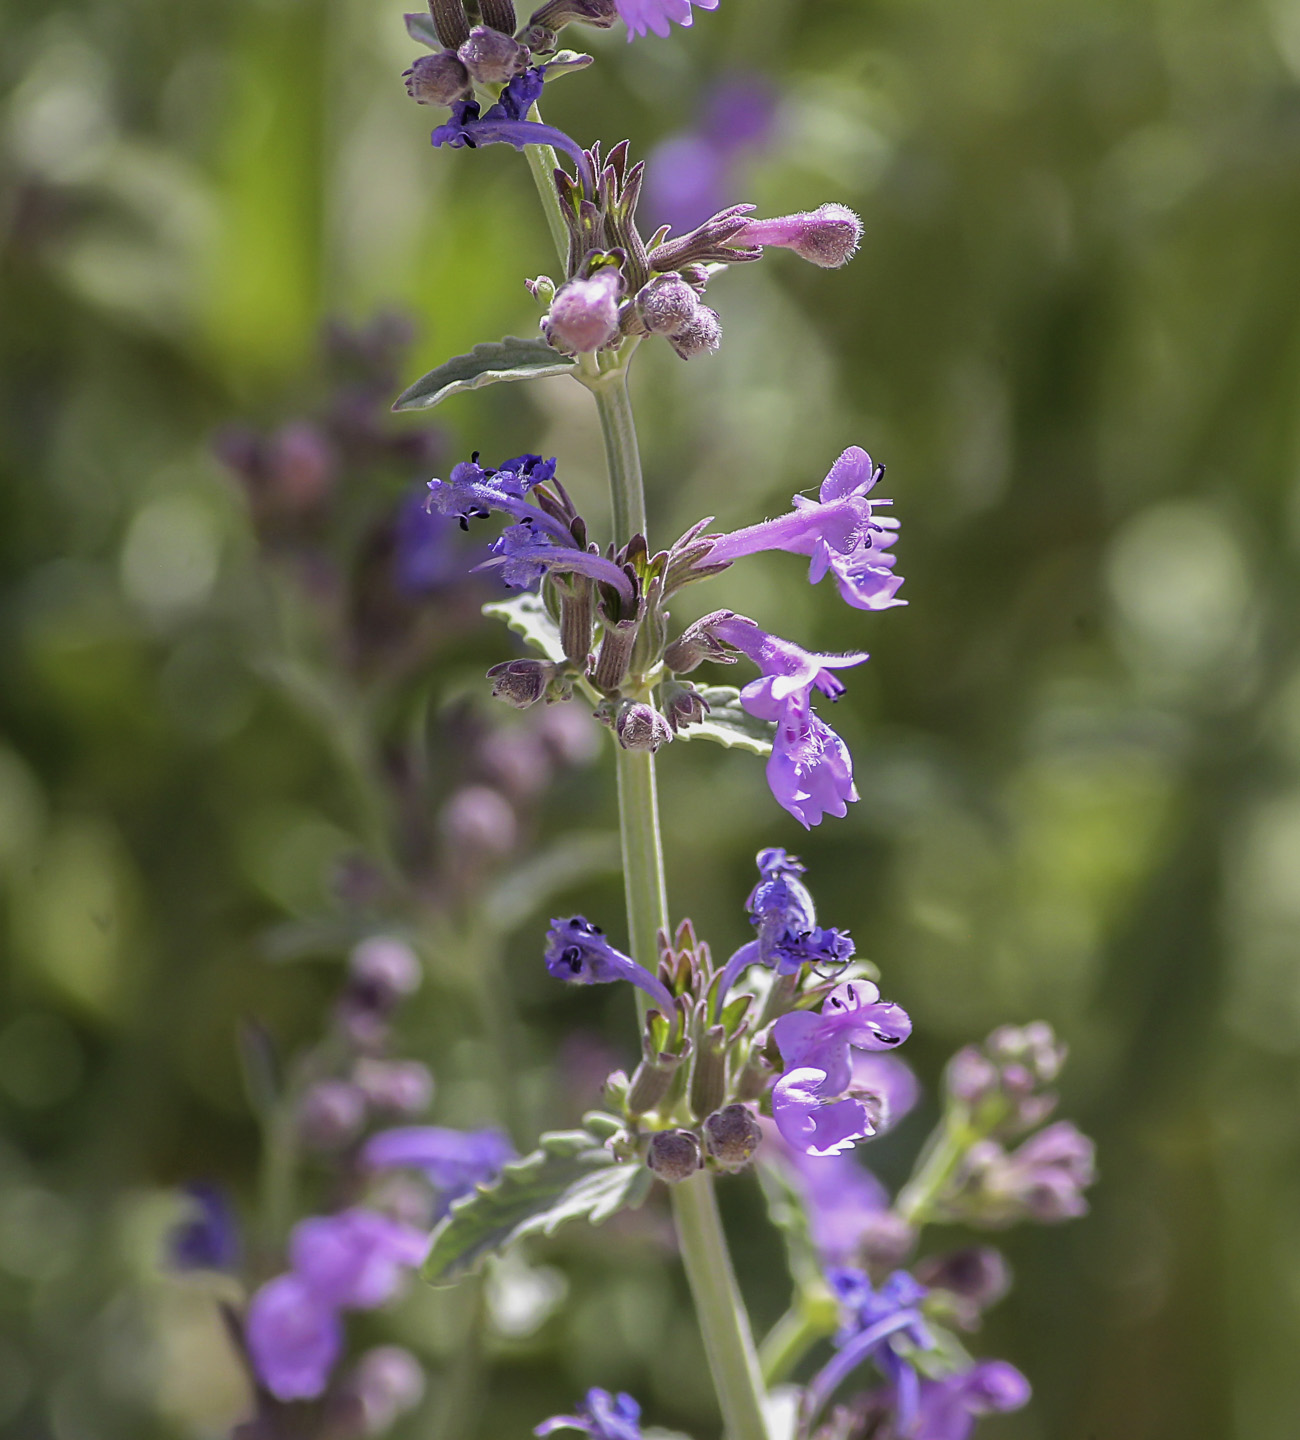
{"x": 874, "y": 1320}
{"x": 642, "y": 16}
{"x": 475, "y": 490}
{"x": 524, "y": 552}
{"x": 578, "y": 953}
{"x": 506, "y": 123}
{"x": 356, "y": 1259}
{"x": 455, "y": 1161}
{"x": 294, "y": 1338}
{"x": 426, "y": 556}
{"x": 810, "y": 770}
{"x": 815, "y": 1103}
{"x": 838, "y": 531}
{"x": 602, "y": 1416}
{"x": 208, "y": 1237}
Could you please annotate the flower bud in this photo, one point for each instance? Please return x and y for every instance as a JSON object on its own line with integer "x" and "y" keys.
{"x": 584, "y": 313}
{"x": 615, "y": 654}
{"x": 701, "y": 335}
{"x": 331, "y": 1114}
{"x": 450, "y": 21}
{"x": 384, "y": 971}
{"x": 977, "y": 1274}
{"x": 491, "y": 57}
{"x": 886, "y": 1240}
{"x": 971, "y": 1077}
{"x": 641, "y": 727}
{"x": 388, "y": 1381}
{"x": 674, "y": 1155}
{"x": 683, "y": 705}
{"x": 651, "y": 1081}
{"x": 732, "y": 1135}
{"x": 521, "y": 683}
{"x": 402, "y": 1086}
{"x": 556, "y": 14}
{"x": 667, "y": 305}
{"x": 478, "y": 821}
{"x": 827, "y": 236}
{"x": 438, "y": 79}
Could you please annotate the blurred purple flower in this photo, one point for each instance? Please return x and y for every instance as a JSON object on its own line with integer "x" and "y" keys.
{"x": 947, "y": 1409}
{"x": 641, "y": 16}
{"x": 578, "y": 953}
{"x": 208, "y": 1237}
{"x": 455, "y": 1161}
{"x": 426, "y": 555}
{"x": 602, "y": 1416}
{"x": 294, "y": 1338}
{"x": 356, "y": 1259}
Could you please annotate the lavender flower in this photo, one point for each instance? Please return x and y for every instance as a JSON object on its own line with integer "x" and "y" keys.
{"x": 810, "y": 770}
{"x": 789, "y": 671}
{"x": 838, "y": 531}
{"x": 356, "y": 1259}
{"x": 208, "y": 1237}
{"x": 602, "y": 1416}
{"x": 524, "y": 552}
{"x": 811, "y": 1102}
{"x": 475, "y": 490}
{"x": 577, "y": 952}
{"x": 455, "y": 1161}
{"x": 947, "y": 1409}
{"x": 642, "y": 16}
{"x": 294, "y": 1338}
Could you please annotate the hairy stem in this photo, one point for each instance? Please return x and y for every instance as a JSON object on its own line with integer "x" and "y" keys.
{"x": 721, "y": 1312}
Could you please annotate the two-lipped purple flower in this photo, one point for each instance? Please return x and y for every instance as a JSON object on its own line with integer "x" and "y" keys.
{"x": 816, "y": 1105}
{"x": 453, "y": 1161}
{"x": 602, "y": 1416}
{"x": 578, "y": 953}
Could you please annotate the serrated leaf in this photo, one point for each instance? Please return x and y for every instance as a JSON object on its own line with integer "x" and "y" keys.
{"x": 728, "y": 724}
{"x": 565, "y": 62}
{"x": 527, "y": 615}
{"x": 420, "y": 28}
{"x": 570, "y": 1176}
{"x": 489, "y": 364}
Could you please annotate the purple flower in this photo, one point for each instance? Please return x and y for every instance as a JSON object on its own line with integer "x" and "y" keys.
{"x": 789, "y": 671}
{"x": 838, "y": 531}
{"x": 815, "y": 1103}
{"x": 602, "y": 1416}
{"x": 294, "y": 1338}
{"x": 475, "y": 490}
{"x": 810, "y": 770}
{"x": 524, "y": 552}
{"x": 947, "y": 1409}
{"x": 642, "y": 16}
{"x": 874, "y": 1320}
{"x": 455, "y": 1161}
{"x": 1043, "y": 1179}
{"x": 208, "y": 1237}
{"x": 506, "y": 123}
{"x": 577, "y": 952}
{"x": 827, "y": 236}
{"x": 356, "y": 1259}
{"x": 425, "y": 554}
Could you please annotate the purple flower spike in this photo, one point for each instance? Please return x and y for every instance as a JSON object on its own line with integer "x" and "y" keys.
{"x": 810, "y": 770}
{"x": 455, "y": 1161}
{"x": 294, "y": 1338}
{"x": 524, "y": 552}
{"x": 816, "y": 1104}
{"x": 838, "y": 532}
{"x": 577, "y": 952}
{"x": 356, "y": 1259}
{"x": 642, "y": 16}
{"x": 602, "y": 1416}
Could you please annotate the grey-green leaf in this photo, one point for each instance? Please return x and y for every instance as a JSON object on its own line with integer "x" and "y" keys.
{"x": 489, "y": 364}
{"x": 420, "y": 28}
{"x": 570, "y": 1176}
{"x": 728, "y": 724}
{"x": 526, "y": 615}
{"x": 565, "y": 62}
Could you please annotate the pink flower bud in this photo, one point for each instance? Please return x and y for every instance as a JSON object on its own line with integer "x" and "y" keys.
{"x": 584, "y": 314}
{"x": 828, "y": 236}
{"x": 667, "y": 305}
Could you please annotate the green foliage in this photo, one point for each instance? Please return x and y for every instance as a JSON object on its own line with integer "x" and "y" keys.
{"x": 728, "y": 724}
{"x": 490, "y": 363}
{"x": 526, "y": 615}
{"x": 570, "y": 1176}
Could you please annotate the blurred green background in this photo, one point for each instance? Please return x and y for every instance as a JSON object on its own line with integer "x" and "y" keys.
{"x": 1073, "y": 334}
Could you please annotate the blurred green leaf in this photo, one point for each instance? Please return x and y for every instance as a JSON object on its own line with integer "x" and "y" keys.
{"x": 570, "y": 1176}
{"x": 530, "y": 887}
{"x": 488, "y": 364}
{"x": 727, "y": 724}
{"x": 419, "y": 27}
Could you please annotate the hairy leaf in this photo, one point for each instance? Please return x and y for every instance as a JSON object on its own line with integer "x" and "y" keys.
{"x": 570, "y": 1176}
{"x": 510, "y": 359}
{"x": 727, "y": 724}
{"x": 526, "y": 615}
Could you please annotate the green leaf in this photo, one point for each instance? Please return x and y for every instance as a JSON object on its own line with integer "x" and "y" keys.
{"x": 727, "y": 724}
{"x": 526, "y": 615}
{"x": 489, "y": 364}
{"x": 565, "y": 62}
{"x": 570, "y": 1176}
{"x": 420, "y": 28}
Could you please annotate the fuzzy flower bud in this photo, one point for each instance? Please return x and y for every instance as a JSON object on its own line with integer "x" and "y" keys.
{"x": 683, "y": 705}
{"x": 479, "y": 820}
{"x": 827, "y": 236}
{"x": 404, "y": 1087}
{"x": 438, "y": 79}
{"x": 556, "y": 14}
{"x": 584, "y": 313}
{"x": 701, "y": 335}
{"x": 667, "y": 305}
{"x": 331, "y": 1114}
{"x": 641, "y": 727}
{"x": 732, "y": 1135}
{"x": 521, "y": 683}
{"x": 387, "y": 1382}
{"x": 491, "y": 57}
{"x": 386, "y": 968}
{"x": 674, "y": 1155}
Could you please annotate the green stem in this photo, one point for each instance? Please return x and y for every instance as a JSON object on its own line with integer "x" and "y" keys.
{"x": 643, "y": 863}
{"x": 723, "y": 1321}
{"x": 543, "y": 163}
{"x": 934, "y": 1169}
{"x": 623, "y": 455}
{"x": 788, "y": 1341}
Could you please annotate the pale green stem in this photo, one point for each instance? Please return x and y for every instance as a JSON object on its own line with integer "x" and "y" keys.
{"x": 543, "y": 162}
{"x": 934, "y": 1169}
{"x": 276, "y": 1179}
{"x": 788, "y": 1341}
{"x": 627, "y": 493}
{"x": 721, "y": 1312}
